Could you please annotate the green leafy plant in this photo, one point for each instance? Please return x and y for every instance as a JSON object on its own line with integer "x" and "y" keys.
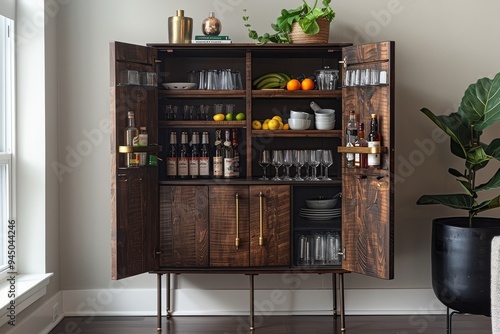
{"x": 305, "y": 15}
{"x": 479, "y": 109}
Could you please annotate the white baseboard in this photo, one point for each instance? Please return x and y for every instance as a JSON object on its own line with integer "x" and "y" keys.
{"x": 40, "y": 321}
{"x": 128, "y": 302}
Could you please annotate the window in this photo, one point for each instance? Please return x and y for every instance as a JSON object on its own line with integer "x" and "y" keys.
{"x": 6, "y": 140}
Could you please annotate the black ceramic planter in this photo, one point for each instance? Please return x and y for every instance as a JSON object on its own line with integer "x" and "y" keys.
{"x": 461, "y": 259}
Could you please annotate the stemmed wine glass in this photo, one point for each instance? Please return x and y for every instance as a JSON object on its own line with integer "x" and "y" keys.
{"x": 264, "y": 161}
{"x": 277, "y": 162}
{"x": 307, "y": 158}
{"x": 298, "y": 162}
{"x": 326, "y": 161}
{"x": 315, "y": 159}
{"x": 287, "y": 162}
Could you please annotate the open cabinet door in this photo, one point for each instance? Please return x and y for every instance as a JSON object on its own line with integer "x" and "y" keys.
{"x": 134, "y": 191}
{"x": 368, "y": 193}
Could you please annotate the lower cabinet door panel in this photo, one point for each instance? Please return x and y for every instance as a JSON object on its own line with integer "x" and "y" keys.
{"x": 184, "y": 226}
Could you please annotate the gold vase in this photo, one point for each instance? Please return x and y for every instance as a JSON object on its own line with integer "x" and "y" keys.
{"x": 211, "y": 26}
{"x": 180, "y": 28}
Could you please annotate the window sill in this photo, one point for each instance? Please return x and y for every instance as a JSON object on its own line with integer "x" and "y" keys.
{"x": 26, "y": 289}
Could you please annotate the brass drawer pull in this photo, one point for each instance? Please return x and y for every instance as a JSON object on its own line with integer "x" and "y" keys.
{"x": 261, "y": 238}
{"x": 237, "y": 241}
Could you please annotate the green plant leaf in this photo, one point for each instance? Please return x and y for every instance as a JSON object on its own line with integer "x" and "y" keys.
{"x": 451, "y": 125}
{"x": 480, "y": 103}
{"x": 489, "y": 204}
{"x": 456, "y": 201}
{"x": 455, "y": 172}
{"x": 493, "y": 183}
{"x": 476, "y": 158}
{"x": 493, "y": 149}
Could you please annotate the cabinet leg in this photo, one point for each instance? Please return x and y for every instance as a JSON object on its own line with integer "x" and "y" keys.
{"x": 342, "y": 308}
{"x": 252, "y": 302}
{"x": 158, "y": 302}
{"x": 169, "y": 312}
{"x": 334, "y": 290}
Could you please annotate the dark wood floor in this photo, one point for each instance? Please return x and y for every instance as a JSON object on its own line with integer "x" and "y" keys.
{"x": 401, "y": 324}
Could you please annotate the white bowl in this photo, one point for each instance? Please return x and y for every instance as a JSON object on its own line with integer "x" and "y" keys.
{"x": 325, "y": 112}
{"x": 324, "y": 125}
{"x": 321, "y": 202}
{"x": 179, "y": 85}
{"x": 298, "y": 114}
{"x": 299, "y": 124}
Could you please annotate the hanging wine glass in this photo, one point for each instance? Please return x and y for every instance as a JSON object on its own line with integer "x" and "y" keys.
{"x": 277, "y": 162}
{"x": 287, "y": 162}
{"x": 264, "y": 161}
{"x": 298, "y": 162}
{"x": 326, "y": 161}
{"x": 307, "y": 158}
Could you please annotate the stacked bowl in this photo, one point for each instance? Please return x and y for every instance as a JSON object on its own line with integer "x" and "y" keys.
{"x": 299, "y": 120}
{"x": 324, "y": 119}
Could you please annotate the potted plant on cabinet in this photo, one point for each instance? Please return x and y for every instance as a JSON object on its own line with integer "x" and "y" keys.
{"x": 461, "y": 246}
{"x": 304, "y": 24}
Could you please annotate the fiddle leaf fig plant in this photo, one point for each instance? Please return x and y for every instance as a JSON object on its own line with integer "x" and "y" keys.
{"x": 478, "y": 110}
{"x": 305, "y": 15}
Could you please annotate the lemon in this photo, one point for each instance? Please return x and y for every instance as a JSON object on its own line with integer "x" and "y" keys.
{"x": 278, "y": 118}
{"x": 286, "y": 126}
{"x": 219, "y": 117}
{"x": 229, "y": 117}
{"x": 265, "y": 126}
{"x": 281, "y": 125}
{"x": 256, "y": 125}
{"x": 267, "y": 120}
{"x": 273, "y": 124}
{"x": 240, "y": 116}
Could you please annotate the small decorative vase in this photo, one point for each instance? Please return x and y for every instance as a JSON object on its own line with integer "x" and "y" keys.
{"x": 211, "y": 26}
{"x": 180, "y": 28}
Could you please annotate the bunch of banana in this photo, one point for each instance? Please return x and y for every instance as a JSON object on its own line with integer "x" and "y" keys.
{"x": 271, "y": 80}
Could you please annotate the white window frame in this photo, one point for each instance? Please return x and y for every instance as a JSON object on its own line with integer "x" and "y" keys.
{"x": 7, "y": 148}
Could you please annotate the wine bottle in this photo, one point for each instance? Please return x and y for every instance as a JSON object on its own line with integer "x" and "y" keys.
{"x": 218, "y": 160}
{"x": 194, "y": 158}
{"x": 131, "y": 139}
{"x": 172, "y": 156}
{"x": 228, "y": 157}
{"x": 205, "y": 155}
{"x": 183, "y": 162}
{"x": 236, "y": 154}
{"x": 374, "y": 141}
{"x": 360, "y": 159}
{"x": 351, "y": 137}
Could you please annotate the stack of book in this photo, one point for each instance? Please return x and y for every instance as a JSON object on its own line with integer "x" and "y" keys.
{"x": 201, "y": 39}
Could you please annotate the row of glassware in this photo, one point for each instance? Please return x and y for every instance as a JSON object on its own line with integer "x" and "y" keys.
{"x": 318, "y": 248}
{"x": 310, "y": 159}
{"x": 225, "y": 79}
{"x": 203, "y": 112}
{"x": 365, "y": 77}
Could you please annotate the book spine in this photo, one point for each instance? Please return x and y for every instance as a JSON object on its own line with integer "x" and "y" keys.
{"x": 221, "y": 41}
{"x": 202, "y": 37}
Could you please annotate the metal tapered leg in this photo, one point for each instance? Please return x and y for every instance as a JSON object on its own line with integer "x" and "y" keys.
{"x": 334, "y": 289}
{"x": 158, "y": 302}
{"x": 252, "y": 302}
{"x": 342, "y": 308}
{"x": 169, "y": 311}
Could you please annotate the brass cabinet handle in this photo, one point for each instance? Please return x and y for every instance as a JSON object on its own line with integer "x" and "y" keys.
{"x": 261, "y": 238}
{"x": 237, "y": 242}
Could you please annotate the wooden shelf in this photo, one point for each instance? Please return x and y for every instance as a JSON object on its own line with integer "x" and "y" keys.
{"x": 296, "y": 94}
{"x": 203, "y": 124}
{"x": 369, "y": 150}
{"x": 297, "y": 133}
{"x": 132, "y": 149}
{"x": 195, "y": 93}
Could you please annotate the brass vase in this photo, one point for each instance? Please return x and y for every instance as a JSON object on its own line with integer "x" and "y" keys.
{"x": 211, "y": 26}
{"x": 180, "y": 28}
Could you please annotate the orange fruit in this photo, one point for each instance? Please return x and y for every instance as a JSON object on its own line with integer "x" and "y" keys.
{"x": 293, "y": 84}
{"x": 307, "y": 84}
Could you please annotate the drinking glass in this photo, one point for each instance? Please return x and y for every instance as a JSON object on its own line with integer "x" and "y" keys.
{"x": 307, "y": 158}
{"x": 277, "y": 162}
{"x": 326, "y": 161}
{"x": 264, "y": 161}
{"x": 298, "y": 162}
{"x": 287, "y": 162}
{"x": 315, "y": 159}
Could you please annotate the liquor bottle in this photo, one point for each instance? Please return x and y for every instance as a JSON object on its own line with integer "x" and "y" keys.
{"x": 360, "y": 159}
{"x": 374, "y": 141}
{"x": 236, "y": 154}
{"x": 131, "y": 139}
{"x": 351, "y": 137}
{"x": 205, "y": 156}
{"x": 143, "y": 141}
{"x": 218, "y": 160}
{"x": 228, "y": 157}
{"x": 183, "y": 162}
{"x": 194, "y": 158}
{"x": 172, "y": 156}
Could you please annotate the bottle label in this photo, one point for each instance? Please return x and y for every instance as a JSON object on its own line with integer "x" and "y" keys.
{"x": 135, "y": 141}
{"x": 218, "y": 166}
{"x": 194, "y": 166}
{"x": 349, "y": 156}
{"x": 204, "y": 166}
{"x": 228, "y": 167}
{"x": 357, "y": 157}
{"x": 171, "y": 166}
{"x": 373, "y": 159}
{"x": 183, "y": 167}
{"x": 143, "y": 140}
